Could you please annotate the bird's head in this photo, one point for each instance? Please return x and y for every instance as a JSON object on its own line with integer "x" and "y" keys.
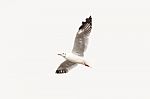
{"x": 62, "y": 54}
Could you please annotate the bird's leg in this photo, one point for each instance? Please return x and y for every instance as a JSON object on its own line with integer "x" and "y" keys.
{"x": 86, "y": 64}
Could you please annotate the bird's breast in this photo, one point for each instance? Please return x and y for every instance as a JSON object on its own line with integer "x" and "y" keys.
{"x": 75, "y": 58}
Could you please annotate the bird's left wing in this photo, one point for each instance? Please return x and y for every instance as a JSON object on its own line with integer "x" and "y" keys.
{"x": 65, "y": 67}
{"x": 81, "y": 40}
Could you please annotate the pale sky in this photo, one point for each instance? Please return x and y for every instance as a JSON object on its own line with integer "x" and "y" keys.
{"x": 33, "y": 32}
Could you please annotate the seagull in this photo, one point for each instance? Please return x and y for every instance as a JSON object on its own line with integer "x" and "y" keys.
{"x": 80, "y": 45}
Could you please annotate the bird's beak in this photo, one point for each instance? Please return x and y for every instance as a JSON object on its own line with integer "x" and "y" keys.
{"x": 59, "y": 54}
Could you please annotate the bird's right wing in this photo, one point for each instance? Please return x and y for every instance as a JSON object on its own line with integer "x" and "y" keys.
{"x": 65, "y": 67}
{"x": 81, "y": 40}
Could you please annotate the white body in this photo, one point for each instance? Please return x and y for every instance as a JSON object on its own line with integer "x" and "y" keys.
{"x": 75, "y": 58}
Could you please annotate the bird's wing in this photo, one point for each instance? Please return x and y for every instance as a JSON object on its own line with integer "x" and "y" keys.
{"x": 81, "y": 40}
{"x": 65, "y": 67}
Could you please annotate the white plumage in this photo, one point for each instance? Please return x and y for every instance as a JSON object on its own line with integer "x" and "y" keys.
{"x": 80, "y": 45}
{"x": 75, "y": 58}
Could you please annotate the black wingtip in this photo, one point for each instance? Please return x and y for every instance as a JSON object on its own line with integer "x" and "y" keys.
{"x": 57, "y": 71}
{"x": 88, "y": 21}
{"x": 62, "y": 71}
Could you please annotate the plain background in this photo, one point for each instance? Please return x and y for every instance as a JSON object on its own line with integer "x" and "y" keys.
{"x": 33, "y": 32}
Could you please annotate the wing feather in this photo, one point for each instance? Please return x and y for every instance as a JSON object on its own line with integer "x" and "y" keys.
{"x": 65, "y": 67}
{"x": 81, "y": 39}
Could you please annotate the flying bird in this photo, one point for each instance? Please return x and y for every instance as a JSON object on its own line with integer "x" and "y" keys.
{"x": 80, "y": 45}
